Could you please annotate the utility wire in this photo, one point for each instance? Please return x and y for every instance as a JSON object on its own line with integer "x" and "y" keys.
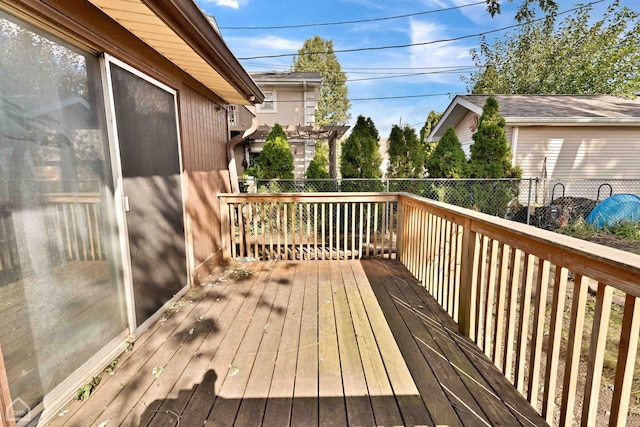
{"x": 424, "y": 95}
{"x": 324, "y": 24}
{"x": 401, "y": 46}
{"x": 395, "y": 76}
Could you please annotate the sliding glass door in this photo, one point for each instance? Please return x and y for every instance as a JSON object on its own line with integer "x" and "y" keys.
{"x": 61, "y": 278}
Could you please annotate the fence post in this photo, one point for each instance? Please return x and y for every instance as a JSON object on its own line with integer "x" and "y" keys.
{"x": 529, "y": 202}
{"x": 225, "y": 229}
{"x": 468, "y": 281}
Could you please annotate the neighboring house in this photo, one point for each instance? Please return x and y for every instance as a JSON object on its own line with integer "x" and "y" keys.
{"x": 290, "y": 99}
{"x": 131, "y": 96}
{"x": 559, "y": 137}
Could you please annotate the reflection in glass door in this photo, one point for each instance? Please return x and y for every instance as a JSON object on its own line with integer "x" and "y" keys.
{"x": 61, "y": 292}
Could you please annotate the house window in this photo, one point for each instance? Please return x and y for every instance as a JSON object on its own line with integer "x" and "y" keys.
{"x": 232, "y": 113}
{"x": 269, "y": 103}
{"x": 253, "y": 156}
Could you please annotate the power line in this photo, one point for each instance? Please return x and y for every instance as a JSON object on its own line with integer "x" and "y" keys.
{"x": 424, "y": 95}
{"x": 401, "y": 46}
{"x": 324, "y": 24}
{"x": 395, "y": 76}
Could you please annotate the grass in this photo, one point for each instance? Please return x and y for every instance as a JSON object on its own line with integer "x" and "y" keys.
{"x": 624, "y": 235}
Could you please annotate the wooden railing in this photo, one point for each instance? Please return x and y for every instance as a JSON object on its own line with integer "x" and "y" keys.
{"x": 308, "y": 226}
{"x": 520, "y": 293}
{"x": 78, "y": 221}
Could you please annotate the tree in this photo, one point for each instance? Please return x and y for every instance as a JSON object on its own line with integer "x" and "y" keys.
{"x": 276, "y": 131}
{"x": 318, "y": 169}
{"x": 316, "y": 55}
{"x": 526, "y": 10}
{"x": 361, "y": 154}
{"x": 406, "y": 155}
{"x": 490, "y": 151}
{"x": 447, "y": 159}
{"x": 275, "y": 161}
{"x": 491, "y": 159}
{"x": 578, "y": 56}
{"x": 429, "y": 124}
{"x": 319, "y": 166}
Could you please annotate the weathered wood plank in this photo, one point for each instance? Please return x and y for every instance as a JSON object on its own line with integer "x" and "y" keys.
{"x": 207, "y": 392}
{"x": 359, "y": 410}
{"x": 234, "y": 383}
{"x": 278, "y": 410}
{"x": 254, "y": 400}
{"x": 433, "y": 396}
{"x": 383, "y": 403}
{"x": 305, "y": 393}
{"x": 128, "y": 369}
{"x": 411, "y": 406}
{"x": 331, "y": 408}
{"x": 204, "y": 320}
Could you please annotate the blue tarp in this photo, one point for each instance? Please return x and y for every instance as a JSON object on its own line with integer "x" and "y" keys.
{"x": 615, "y": 209}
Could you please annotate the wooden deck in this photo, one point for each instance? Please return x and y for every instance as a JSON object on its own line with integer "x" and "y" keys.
{"x": 305, "y": 343}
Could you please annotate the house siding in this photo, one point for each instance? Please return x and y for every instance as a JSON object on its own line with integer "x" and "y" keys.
{"x": 290, "y": 107}
{"x": 579, "y": 152}
{"x": 204, "y": 136}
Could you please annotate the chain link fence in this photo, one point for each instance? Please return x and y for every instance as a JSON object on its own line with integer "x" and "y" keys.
{"x": 545, "y": 203}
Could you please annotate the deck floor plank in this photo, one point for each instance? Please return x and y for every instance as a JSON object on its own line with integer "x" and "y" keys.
{"x": 304, "y": 411}
{"x": 412, "y": 408}
{"x": 114, "y": 389}
{"x": 278, "y": 409}
{"x": 234, "y": 383}
{"x": 207, "y": 392}
{"x": 202, "y": 323}
{"x": 254, "y": 400}
{"x": 383, "y": 402}
{"x": 467, "y": 390}
{"x": 358, "y": 404}
{"x": 325, "y": 343}
{"x": 469, "y": 357}
{"x": 431, "y": 391}
{"x": 331, "y": 403}
{"x": 196, "y": 372}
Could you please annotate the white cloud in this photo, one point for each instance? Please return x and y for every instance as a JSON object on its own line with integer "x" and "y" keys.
{"x": 229, "y": 3}
{"x": 478, "y": 13}
{"x": 274, "y": 43}
{"x": 233, "y": 4}
{"x": 442, "y": 54}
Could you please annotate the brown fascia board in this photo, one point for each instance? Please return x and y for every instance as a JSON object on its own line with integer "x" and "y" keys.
{"x": 188, "y": 21}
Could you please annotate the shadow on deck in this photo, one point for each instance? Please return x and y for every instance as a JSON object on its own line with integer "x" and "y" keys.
{"x": 305, "y": 343}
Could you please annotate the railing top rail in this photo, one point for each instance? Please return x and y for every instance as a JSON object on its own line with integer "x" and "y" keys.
{"x": 607, "y": 265}
{"x": 308, "y": 197}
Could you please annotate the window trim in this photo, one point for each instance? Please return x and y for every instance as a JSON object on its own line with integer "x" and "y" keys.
{"x": 273, "y": 100}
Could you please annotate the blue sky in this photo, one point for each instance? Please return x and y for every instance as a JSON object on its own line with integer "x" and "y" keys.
{"x": 366, "y": 65}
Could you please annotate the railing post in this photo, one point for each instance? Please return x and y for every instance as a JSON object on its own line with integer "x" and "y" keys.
{"x": 225, "y": 230}
{"x": 400, "y": 231}
{"x": 468, "y": 281}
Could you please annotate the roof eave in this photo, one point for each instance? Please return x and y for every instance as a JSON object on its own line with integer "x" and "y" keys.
{"x": 572, "y": 121}
{"x": 187, "y": 20}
